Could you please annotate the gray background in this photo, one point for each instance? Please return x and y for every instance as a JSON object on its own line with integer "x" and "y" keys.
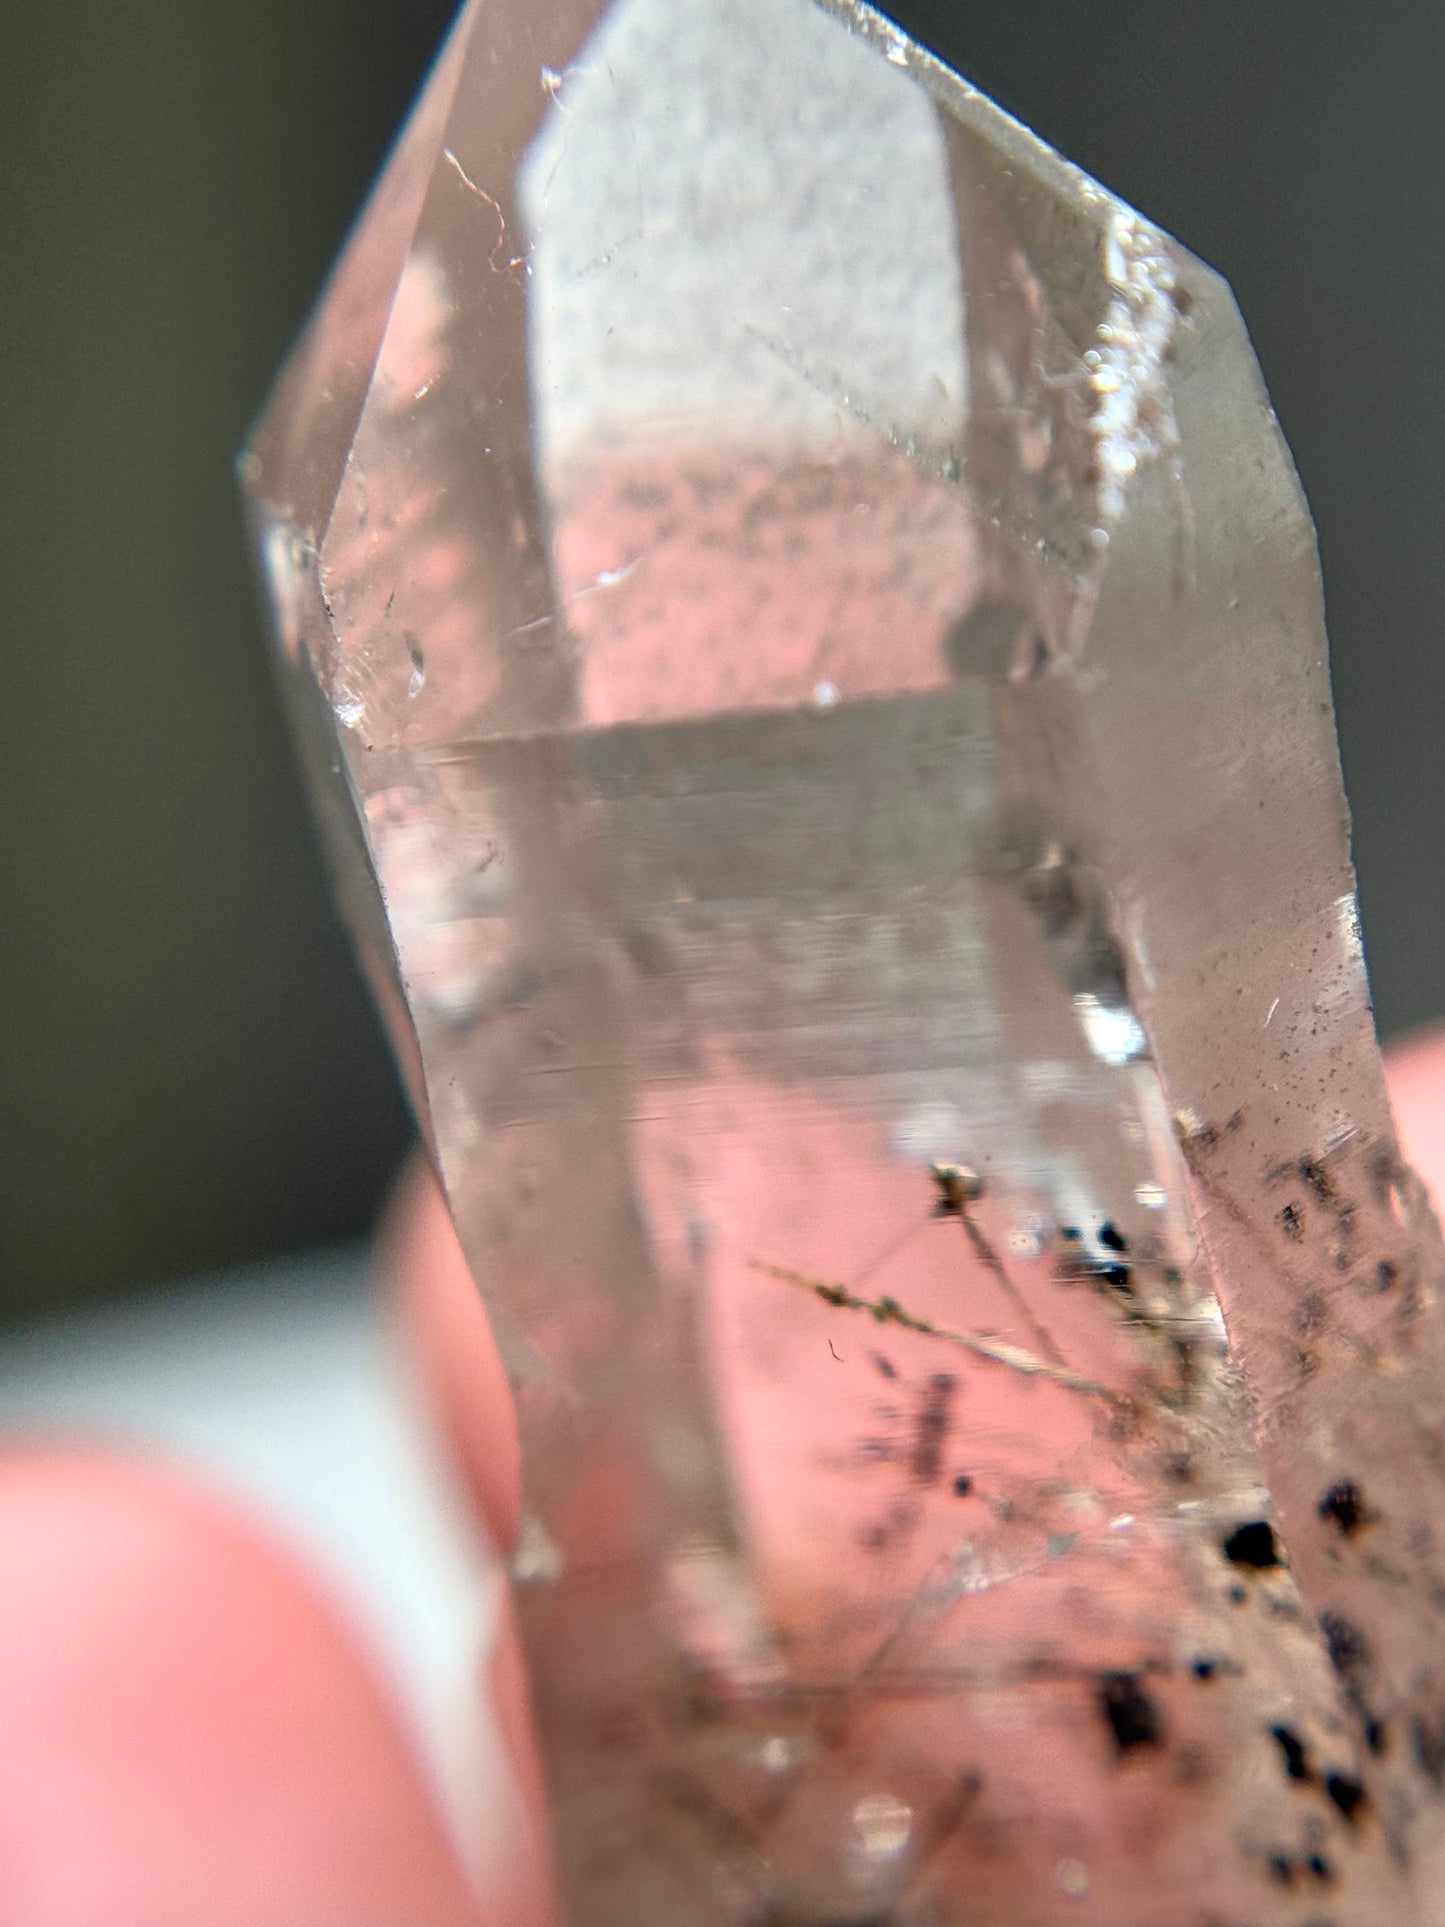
{"x": 189, "y": 1072}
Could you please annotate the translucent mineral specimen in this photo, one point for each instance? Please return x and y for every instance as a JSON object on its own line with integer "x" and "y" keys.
{"x": 809, "y": 644}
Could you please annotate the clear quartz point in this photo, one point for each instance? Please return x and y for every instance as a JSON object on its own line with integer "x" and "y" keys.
{"x": 808, "y": 644}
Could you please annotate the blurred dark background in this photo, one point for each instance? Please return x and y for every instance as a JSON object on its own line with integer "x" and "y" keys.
{"x": 190, "y": 1074}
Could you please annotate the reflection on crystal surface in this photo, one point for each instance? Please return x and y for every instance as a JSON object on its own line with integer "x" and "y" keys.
{"x": 810, "y": 625}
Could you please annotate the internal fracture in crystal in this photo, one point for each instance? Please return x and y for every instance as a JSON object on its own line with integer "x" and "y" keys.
{"x": 808, "y": 644}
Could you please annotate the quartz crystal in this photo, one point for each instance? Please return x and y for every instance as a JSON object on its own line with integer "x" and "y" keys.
{"x": 808, "y": 643}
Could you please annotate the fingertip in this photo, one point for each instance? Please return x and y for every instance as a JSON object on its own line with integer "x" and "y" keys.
{"x": 187, "y": 1731}
{"x": 446, "y": 1330}
{"x": 445, "y": 1326}
{"x": 531, "y": 1901}
{"x": 1415, "y": 1073}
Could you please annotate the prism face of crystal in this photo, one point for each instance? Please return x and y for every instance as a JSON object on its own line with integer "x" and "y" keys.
{"x": 809, "y": 644}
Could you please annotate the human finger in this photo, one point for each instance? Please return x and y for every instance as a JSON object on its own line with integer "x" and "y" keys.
{"x": 187, "y": 1731}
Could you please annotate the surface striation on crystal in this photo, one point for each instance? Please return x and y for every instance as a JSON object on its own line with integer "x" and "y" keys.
{"x": 809, "y": 647}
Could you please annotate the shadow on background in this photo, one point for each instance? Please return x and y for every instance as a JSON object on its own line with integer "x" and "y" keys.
{"x": 190, "y": 1074}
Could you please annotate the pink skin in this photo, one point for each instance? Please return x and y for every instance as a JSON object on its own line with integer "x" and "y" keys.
{"x": 188, "y": 1733}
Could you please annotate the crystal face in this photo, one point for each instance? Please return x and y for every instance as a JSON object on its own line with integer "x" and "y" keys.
{"x": 809, "y": 647}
